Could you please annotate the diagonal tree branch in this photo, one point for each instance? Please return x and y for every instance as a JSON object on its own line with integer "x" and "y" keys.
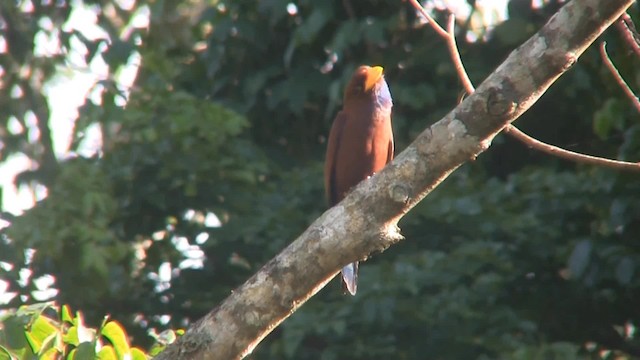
{"x": 449, "y": 36}
{"x": 365, "y": 221}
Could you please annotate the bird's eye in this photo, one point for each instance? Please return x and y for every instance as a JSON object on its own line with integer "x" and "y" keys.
{"x": 359, "y": 88}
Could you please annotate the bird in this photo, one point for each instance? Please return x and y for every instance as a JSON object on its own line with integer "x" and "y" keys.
{"x": 360, "y": 143}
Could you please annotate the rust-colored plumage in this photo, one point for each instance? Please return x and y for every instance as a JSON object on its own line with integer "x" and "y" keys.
{"x": 360, "y": 142}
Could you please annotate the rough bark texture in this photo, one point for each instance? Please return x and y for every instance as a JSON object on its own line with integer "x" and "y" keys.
{"x": 365, "y": 221}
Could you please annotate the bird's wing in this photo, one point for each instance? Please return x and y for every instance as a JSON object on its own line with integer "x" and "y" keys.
{"x": 330, "y": 162}
{"x": 390, "y": 151}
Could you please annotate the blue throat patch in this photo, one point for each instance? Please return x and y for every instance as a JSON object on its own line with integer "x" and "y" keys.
{"x": 383, "y": 96}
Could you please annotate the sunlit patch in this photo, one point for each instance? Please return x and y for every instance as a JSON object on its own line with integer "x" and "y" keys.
{"x": 292, "y": 9}
{"x": 14, "y": 126}
{"x": 332, "y": 58}
{"x": 202, "y": 238}
{"x": 212, "y": 221}
{"x": 45, "y": 291}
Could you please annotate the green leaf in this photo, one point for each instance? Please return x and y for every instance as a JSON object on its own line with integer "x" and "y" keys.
{"x": 118, "y": 337}
{"x": 13, "y": 331}
{"x": 33, "y": 309}
{"x": 84, "y": 351}
{"x": 71, "y": 336}
{"x": 51, "y": 354}
{"x": 137, "y": 354}
{"x": 66, "y": 314}
{"x": 5, "y": 354}
{"x": 156, "y": 349}
{"x": 107, "y": 353}
{"x": 41, "y": 333}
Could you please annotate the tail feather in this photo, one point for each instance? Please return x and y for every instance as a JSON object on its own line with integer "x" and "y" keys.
{"x": 350, "y": 278}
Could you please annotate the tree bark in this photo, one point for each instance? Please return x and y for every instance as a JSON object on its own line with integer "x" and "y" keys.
{"x": 365, "y": 221}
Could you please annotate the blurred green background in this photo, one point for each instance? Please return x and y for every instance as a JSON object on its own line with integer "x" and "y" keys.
{"x": 215, "y": 164}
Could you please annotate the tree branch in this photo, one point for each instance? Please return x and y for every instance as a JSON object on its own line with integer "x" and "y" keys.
{"x": 570, "y": 155}
{"x": 455, "y": 56}
{"x": 629, "y": 34}
{"x": 47, "y": 161}
{"x": 450, "y": 38}
{"x": 365, "y": 221}
{"x": 616, "y": 75}
{"x": 434, "y": 24}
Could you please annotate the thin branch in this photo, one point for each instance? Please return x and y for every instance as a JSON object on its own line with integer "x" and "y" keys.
{"x": 570, "y": 155}
{"x": 442, "y": 32}
{"x": 450, "y": 38}
{"x": 455, "y": 56}
{"x": 629, "y": 33}
{"x": 614, "y": 71}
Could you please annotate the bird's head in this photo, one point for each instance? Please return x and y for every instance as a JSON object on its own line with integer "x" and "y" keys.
{"x": 368, "y": 82}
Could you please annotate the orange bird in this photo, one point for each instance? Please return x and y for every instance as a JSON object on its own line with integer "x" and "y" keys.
{"x": 360, "y": 142}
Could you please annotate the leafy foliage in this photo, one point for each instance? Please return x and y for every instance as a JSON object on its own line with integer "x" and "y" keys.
{"x": 44, "y": 331}
{"x": 517, "y": 255}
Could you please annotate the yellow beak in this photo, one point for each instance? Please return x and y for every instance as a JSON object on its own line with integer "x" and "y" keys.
{"x": 374, "y": 74}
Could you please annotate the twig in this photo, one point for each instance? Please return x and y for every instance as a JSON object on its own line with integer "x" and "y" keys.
{"x": 442, "y": 32}
{"x": 614, "y": 71}
{"x": 455, "y": 56}
{"x": 570, "y": 155}
{"x": 450, "y": 38}
{"x": 629, "y": 33}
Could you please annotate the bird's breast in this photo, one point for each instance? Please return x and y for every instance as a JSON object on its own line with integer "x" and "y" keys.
{"x": 364, "y": 146}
